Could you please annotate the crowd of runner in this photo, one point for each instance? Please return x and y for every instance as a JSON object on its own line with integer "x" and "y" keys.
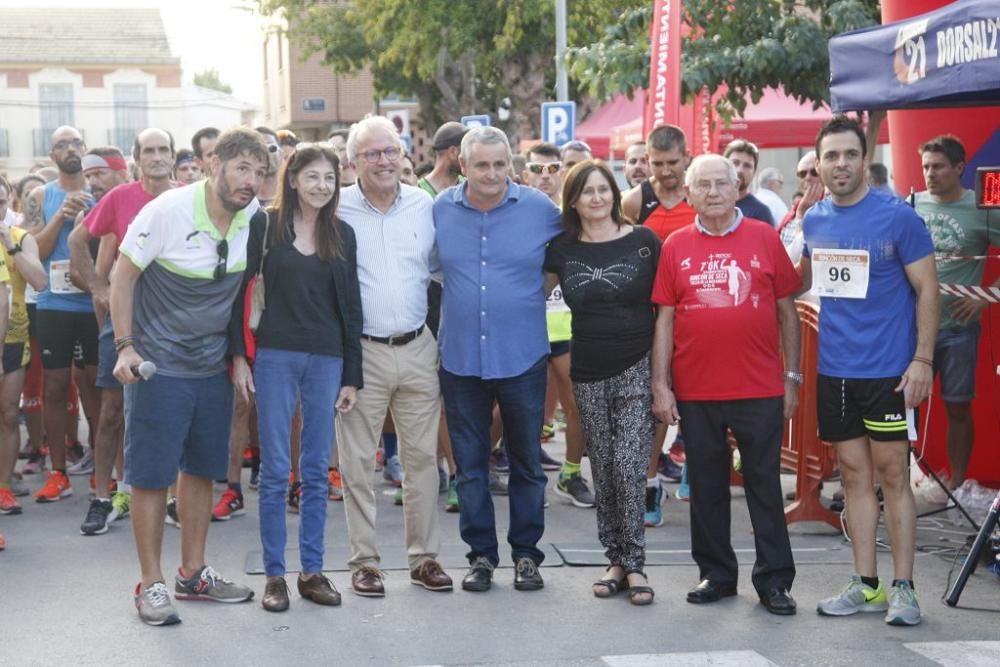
{"x": 317, "y": 312}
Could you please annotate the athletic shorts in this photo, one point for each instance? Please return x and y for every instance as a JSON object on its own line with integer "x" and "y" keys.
{"x": 849, "y": 409}
{"x": 107, "y": 358}
{"x": 558, "y": 348}
{"x": 955, "y": 355}
{"x": 15, "y": 356}
{"x": 60, "y": 331}
{"x": 177, "y": 423}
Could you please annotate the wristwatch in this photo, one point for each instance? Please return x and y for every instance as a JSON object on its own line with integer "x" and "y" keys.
{"x": 13, "y": 251}
{"x": 794, "y": 377}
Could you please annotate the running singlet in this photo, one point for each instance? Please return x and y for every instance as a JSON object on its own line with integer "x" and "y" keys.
{"x": 60, "y": 293}
{"x": 662, "y": 221}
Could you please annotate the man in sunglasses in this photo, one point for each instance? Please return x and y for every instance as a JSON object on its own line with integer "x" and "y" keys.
{"x": 811, "y": 187}
{"x": 172, "y": 294}
{"x": 65, "y": 315}
{"x": 154, "y": 153}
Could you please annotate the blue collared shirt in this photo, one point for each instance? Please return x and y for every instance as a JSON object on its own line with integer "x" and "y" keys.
{"x": 493, "y": 305}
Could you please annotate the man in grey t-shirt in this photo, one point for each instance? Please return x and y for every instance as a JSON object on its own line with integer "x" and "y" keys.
{"x": 172, "y": 293}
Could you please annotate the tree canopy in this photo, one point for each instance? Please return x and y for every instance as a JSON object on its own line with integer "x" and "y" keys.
{"x": 741, "y": 47}
{"x": 455, "y": 58}
{"x": 209, "y": 78}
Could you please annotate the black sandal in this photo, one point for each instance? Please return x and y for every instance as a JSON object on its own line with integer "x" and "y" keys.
{"x": 635, "y": 591}
{"x": 611, "y": 586}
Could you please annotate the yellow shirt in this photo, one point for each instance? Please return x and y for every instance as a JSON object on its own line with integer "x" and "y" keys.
{"x": 17, "y": 326}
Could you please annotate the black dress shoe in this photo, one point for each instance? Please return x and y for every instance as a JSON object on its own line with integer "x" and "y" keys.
{"x": 778, "y": 601}
{"x": 710, "y": 591}
{"x": 526, "y": 575}
{"x": 480, "y": 576}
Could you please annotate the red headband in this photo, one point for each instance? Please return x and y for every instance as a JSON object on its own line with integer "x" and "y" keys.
{"x": 113, "y": 162}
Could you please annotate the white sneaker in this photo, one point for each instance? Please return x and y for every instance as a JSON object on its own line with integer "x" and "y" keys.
{"x": 85, "y": 466}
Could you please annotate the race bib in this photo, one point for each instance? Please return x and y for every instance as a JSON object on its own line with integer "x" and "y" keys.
{"x": 59, "y": 282}
{"x": 841, "y": 274}
{"x": 555, "y": 303}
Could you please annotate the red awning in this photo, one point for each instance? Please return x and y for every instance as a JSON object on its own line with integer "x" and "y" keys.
{"x": 777, "y": 121}
{"x": 596, "y": 130}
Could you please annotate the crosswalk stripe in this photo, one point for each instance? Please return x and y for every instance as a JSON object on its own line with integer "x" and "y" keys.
{"x": 693, "y": 659}
{"x": 959, "y": 654}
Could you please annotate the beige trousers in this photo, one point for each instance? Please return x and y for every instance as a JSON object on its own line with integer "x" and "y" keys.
{"x": 402, "y": 379}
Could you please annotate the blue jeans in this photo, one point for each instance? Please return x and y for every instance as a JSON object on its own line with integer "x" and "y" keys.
{"x": 282, "y": 377}
{"x": 469, "y": 407}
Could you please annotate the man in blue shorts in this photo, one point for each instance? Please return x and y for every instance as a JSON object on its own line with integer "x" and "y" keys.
{"x": 172, "y": 293}
{"x": 870, "y": 259}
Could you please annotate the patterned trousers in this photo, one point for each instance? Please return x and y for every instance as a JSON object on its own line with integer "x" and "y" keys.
{"x": 617, "y": 418}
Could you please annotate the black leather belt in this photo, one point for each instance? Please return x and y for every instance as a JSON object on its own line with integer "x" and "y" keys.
{"x": 401, "y": 339}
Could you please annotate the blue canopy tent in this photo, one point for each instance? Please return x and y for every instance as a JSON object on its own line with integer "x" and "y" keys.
{"x": 944, "y": 58}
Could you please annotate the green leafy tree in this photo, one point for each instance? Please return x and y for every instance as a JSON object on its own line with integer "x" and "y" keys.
{"x": 746, "y": 46}
{"x": 455, "y": 58}
{"x": 209, "y": 78}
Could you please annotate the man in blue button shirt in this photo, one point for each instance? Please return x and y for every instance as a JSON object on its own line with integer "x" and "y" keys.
{"x": 491, "y": 237}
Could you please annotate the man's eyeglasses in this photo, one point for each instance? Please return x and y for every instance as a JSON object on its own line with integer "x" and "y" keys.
{"x": 705, "y": 187}
{"x": 544, "y": 167}
{"x": 802, "y": 173}
{"x": 66, "y": 143}
{"x": 392, "y": 153}
{"x": 222, "y": 249}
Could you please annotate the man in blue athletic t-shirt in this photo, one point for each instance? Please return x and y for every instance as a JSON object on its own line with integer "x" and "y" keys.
{"x": 870, "y": 259}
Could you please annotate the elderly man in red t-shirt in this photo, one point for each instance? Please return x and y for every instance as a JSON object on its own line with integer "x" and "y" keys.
{"x": 725, "y": 288}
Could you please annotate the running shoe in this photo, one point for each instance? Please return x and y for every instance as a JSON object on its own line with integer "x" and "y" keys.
{"x": 18, "y": 486}
{"x": 397, "y": 499}
{"x": 549, "y": 463}
{"x": 84, "y": 466}
{"x": 393, "y": 471}
{"x": 574, "y": 489}
{"x": 548, "y": 432}
{"x": 99, "y": 515}
{"x": 172, "y": 518}
{"x": 229, "y": 505}
{"x": 904, "y": 609}
{"x": 92, "y": 487}
{"x": 8, "y": 503}
{"x": 498, "y": 485}
{"x": 653, "y": 516}
{"x": 154, "y": 606}
{"x": 667, "y": 470}
{"x": 499, "y": 458}
{"x": 684, "y": 490}
{"x": 856, "y": 597}
{"x": 335, "y": 485}
{"x": 451, "y": 504}
{"x": 75, "y": 453}
{"x": 247, "y": 457}
{"x": 676, "y": 451}
{"x": 207, "y": 584}
{"x": 254, "y": 483}
{"x": 35, "y": 464}
{"x": 122, "y": 500}
{"x": 56, "y": 488}
{"x": 294, "y": 496}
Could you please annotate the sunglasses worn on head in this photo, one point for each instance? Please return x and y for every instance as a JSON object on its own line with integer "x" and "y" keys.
{"x": 540, "y": 167}
{"x": 807, "y": 172}
{"x": 302, "y": 145}
{"x": 222, "y": 249}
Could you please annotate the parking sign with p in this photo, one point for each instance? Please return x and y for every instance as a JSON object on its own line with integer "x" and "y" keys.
{"x": 558, "y": 122}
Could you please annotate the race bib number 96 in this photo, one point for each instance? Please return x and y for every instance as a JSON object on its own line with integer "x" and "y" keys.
{"x": 842, "y": 274}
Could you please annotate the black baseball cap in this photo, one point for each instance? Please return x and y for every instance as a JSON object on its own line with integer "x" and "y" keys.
{"x": 448, "y": 135}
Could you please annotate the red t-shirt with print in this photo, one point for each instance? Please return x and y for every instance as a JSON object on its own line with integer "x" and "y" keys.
{"x": 724, "y": 291}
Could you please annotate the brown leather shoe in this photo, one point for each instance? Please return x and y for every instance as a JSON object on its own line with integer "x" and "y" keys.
{"x": 430, "y": 575}
{"x": 367, "y": 582}
{"x": 319, "y": 589}
{"x": 275, "y": 594}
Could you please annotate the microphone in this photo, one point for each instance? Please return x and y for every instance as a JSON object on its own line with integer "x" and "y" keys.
{"x": 145, "y": 370}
